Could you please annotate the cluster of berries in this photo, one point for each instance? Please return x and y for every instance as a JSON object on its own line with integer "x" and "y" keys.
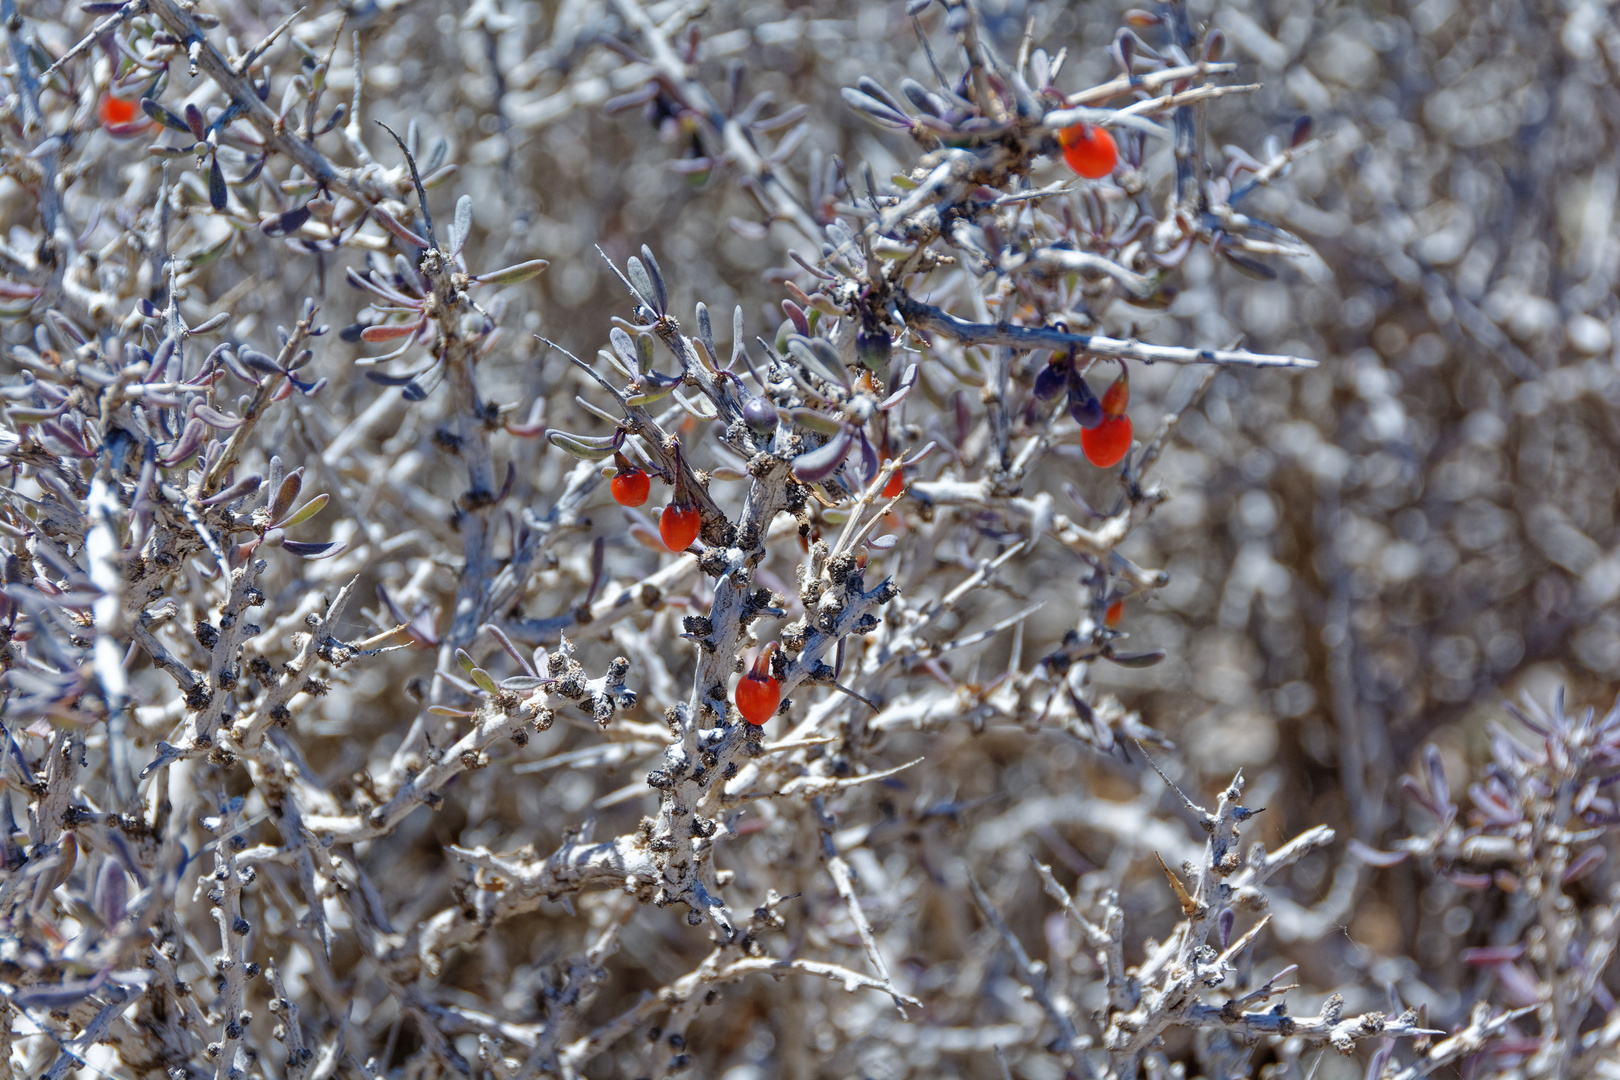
{"x": 678, "y": 525}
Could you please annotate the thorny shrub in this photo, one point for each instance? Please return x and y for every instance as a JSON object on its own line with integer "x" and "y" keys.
{"x": 359, "y": 718}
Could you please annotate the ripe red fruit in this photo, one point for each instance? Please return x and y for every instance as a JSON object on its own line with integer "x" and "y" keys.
{"x": 1108, "y": 442}
{"x": 758, "y": 693}
{"x": 1089, "y": 150}
{"x": 114, "y": 110}
{"x": 896, "y": 484}
{"x": 1116, "y": 612}
{"x": 630, "y": 485}
{"x": 679, "y": 525}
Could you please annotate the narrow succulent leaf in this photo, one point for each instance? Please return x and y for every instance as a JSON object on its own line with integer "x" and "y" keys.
{"x": 660, "y": 289}
{"x": 579, "y": 447}
{"x": 248, "y": 485}
{"x": 286, "y": 224}
{"x": 258, "y": 361}
{"x": 464, "y": 658}
{"x": 821, "y": 463}
{"x": 461, "y": 225}
{"x": 1138, "y": 659}
{"x": 625, "y": 348}
{"x": 164, "y": 116}
{"x": 313, "y": 551}
{"x": 286, "y": 493}
{"x": 654, "y": 394}
{"x": 307, "y": 511}
{"x": 398, "y": 228}
{"x": 815, "y": 421}
{"x": 484, "y": 680}
{"x": 803, "y": 350}
{"x": 641, "y": 284}
{"x": 216, "y": 419}
{"x": 520, "y": 683}
{"x": 190, "y": 441}
{"x": 512, "y": 275}
{"x": 390, "y": 331}
{"x": 218, "y": 193}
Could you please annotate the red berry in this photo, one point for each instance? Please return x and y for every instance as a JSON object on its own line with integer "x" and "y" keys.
{"x": 758, "y": 694}
{"x": 1108, "y": 442}
{"x": 1117, "y": 396}
{"x": 631, "y": 487}
{"x": 1089, "y": 150}
{"x": 679, "y": 525}
{"x": 114, "y": 110}
{"x": 1116, "y": 612}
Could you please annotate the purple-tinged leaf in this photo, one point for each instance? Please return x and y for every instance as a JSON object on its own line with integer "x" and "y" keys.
{"x": 214, "y": 418}
{"x": 395, "y": 226}
{"x": 1582, "y": 864}
{"x": 1227, "y": 920}
{"x": 882, "y": 543}
{"x": 286, "y": 224}
{"x": 244, "y": 487}
{"x": 218, "y": 193}
{"x": 391, "y": 331}
{"x": 313, "y": 552}
{"x": 233, "y": 361}
{"x": 286, "y": 493}
{"x": 190, "y": 441}
{"x": 1373, "y": 857}
{"x": 1490, "y": 955}
{"x": 870, "y": 464}
{"x": 875, "y": 111}
{"x": 259, "y": 361}
{"x": 821, "y": 463}
{"x": 796, "y": 315}
{"x": 520, "y": 683}
{"x": 112, "y": 893}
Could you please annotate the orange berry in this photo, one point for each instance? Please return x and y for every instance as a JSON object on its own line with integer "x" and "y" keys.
{"x": 1089, "y": 150}
{"x": 895, "y": 486}
{"x": 1116, "y": 612}
{"x": 631, "y": 486}
{"x": 759, "y": 694}
{"x": 114, "y": 110}
{"x": 1108, "y": 442}
{"x": 1117, "y": 396}
{"x": 679, "y": 525}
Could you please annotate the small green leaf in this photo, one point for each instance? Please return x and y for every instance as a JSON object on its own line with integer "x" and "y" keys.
{"x": 465, "y": 661}
{"x": 647, "y": 397}
{"x": 307, "y": 511}
{"x": 485, "y": 682}
{"x": 815, "y": 421}
{"x": 522, "y": 271}
{"x": 580, "y": 447}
